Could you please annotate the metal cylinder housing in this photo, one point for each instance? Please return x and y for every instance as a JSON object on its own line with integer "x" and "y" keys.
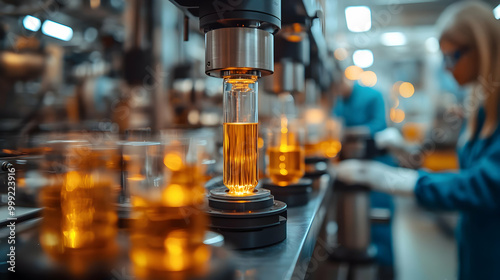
{"x": 238, "y": 48}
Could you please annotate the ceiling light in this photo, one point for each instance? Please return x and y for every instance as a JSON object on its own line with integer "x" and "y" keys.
{"x": 393, "y": 39}
{"x": 31, "y": 23}
{"x": 363, "y": 58}
{"x": 57, "y": 30}
{"x": 358, "y": 18}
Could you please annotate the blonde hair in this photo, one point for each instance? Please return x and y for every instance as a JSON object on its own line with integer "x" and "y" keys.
{"x": 473, "y": 23}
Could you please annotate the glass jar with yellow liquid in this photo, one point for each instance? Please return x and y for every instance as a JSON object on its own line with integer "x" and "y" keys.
{"x": 286, "y": 156}
{"x": 331, "y": 144}
{"x": 167, "y": 197}
{"x": 285, "y": 147}
{"x": 79, "y": 221}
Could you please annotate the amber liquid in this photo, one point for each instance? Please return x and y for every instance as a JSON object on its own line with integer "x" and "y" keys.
{"x": 79, "y": 221}
{"x": 286, "y": 164}
{"x": 168, "y": 230}
{"x": 330, "y": 148}
{"x": 311, "y": 149}
{"x": 240, "y": 157}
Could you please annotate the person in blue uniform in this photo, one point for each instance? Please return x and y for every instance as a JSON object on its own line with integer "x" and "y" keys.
{"x": 363, "y": 108}
{"x": 470, "y": 43}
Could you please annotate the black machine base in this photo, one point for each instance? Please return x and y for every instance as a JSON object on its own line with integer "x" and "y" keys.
{"x": 315, "y": 168}
{"x": 249, "y": 221}
{"x": 297, "y": 194}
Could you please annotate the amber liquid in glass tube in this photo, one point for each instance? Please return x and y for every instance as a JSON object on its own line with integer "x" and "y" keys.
{"x": 240, "y": 157}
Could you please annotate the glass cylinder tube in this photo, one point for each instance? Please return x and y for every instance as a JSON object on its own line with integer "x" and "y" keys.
{"x": 79, "y": 217}
{"x": 313, "y": 121}
{"x": 286, "y": 155}
{"x": 331, "y": 143}
{"x": 285, "y": 151}
{"x": 240, "y": 134}
{"x": 167, "y": 196}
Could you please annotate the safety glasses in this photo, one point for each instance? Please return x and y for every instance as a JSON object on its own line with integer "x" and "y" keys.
{"x": 451, "y": 59}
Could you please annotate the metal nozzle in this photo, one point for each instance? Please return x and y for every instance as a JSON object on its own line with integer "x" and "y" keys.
{"x": 238, "y": 49}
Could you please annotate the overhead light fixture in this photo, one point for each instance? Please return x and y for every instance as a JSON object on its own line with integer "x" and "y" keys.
{"x": 393, "y": 39}
{"x": 363, "y": 58}
{"x": 57, "y": 30}
{"x": 32, "y": 23}
{"x": 358, "y": 18}
{"x": 496, "y": 12}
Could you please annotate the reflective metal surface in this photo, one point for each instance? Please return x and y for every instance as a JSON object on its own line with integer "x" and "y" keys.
{"x": 236, "y": 48}
{"x": 290, "y": 258}
{"x": 354, "y": 219}
{"x": 288, "y": 77}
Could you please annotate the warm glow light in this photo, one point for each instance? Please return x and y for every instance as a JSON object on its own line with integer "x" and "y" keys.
{"x": 331, "y": 148}
{"x": 201, "y": 254}
{"x": 240, "y": 161}
{"x": 57, "y": 30}
{"x": 94, "y": 4}
{"x": 173, "y": 161}
{"x": 136, "y": 178}
{"x": 413, "y": 132}
{"x": 353, "y": 72}
{"x": 363, "y": 58}
{"x": 340, "y": 54}
{"x": 368, "y": 78}
{"x": 175, "y": 195}
{"x": 260, "y": 143}
{"x": 393, "y": 39}
{"x": 175, "y": 243}
{"x": 397, "y": 115}
{"x": 314, "y": 116}
{"x": 73, "y": 180}
{"x": 406, "y": 90}
{"x": 32, "y": 23}
{"x": 358, "y": 18}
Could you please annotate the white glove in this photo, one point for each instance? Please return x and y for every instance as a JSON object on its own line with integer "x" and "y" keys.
{"x": 389, "y": 138}
{"x": 378, "y": 176}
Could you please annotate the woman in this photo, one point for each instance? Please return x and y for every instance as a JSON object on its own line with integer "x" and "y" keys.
{"x": 470, "y": 42}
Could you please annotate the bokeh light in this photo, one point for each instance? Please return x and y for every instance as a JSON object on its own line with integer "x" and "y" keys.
{"x": 368, "y": 78}
{"x": 397, "y": 115}
{"x": 353, "y": 72}
{"x": 406, "y": 90}
{"x": 341, "y": 54}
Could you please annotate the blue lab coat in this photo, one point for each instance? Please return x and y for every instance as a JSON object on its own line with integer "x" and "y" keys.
{"x": 475, "y": 193}
{"x": 366, "y": 107}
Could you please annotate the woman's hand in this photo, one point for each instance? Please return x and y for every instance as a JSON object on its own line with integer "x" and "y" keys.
{"x": 377, "y": 176}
